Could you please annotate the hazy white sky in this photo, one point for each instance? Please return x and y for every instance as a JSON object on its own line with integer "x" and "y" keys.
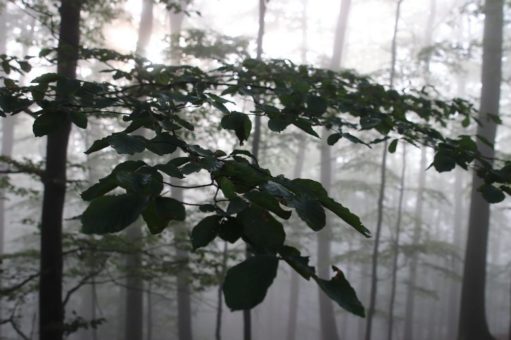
{"x": 369, "y": 35}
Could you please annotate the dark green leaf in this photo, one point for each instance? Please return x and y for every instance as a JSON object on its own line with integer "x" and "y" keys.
{"x": 393, "y": 146}
{"x": 316, "y": 105}
{"x": 310, "y": 211}
{"x": 206, "y": 231}
{"x": 145, "y": 180}
{"x": 278, "y": 124}
{"x": 79, "y": 119}
{"x": 443, "y": 161}
{"x": 163, "y": 144}
{"x": 227, "y": 188}
{"x": 267, "y": 201}
{"x": 161, "y": 211}
{"x": 98, "y": 145}
{"x": 491, "y": 193}
{"x": 246, "y": 284}
{"x": 170, "y": 169}
{"x": 230, "y": 230}
{"x": 110, "y": 214}
{"x": 25, "y": 66}
{"x": 262, "y": 229}
{"x": 236, "y": 205}
{"x": 346, "y": 215}
{"x": 240, "y": 123}
{"x": 298, "y": 262}
{"x": 47, "y": 123}
{"x": 104, "y": 185}
{"x": 340, "y": 290}
{"x": 126, "y": 144}
{"x": 109, "y": 182}
{"x": 334, "y": 138}
{"x": 305, "y": 126}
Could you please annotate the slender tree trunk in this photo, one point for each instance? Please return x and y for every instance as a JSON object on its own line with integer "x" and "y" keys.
{"x": 134, "y": 287}
{"x": 381, "y": 195}
{"x": 220, "y": 303}
{"x": 328, "y": 327}
{"x": 340, "y": 35}
{"x": 256, "y": 144}
{"x": 376, "y": 245}
{"x": 183, "y": 277}
{"x": 149, "y": 313}
{"x": 395, "y": 258}
{"x": 294, "y": 288}
{"x": 416, "y": 237}
{"x": 176, "y": 24}
{"x": 145, "y": 27}
{"x": 473, "y": 323}
{"x": 7, "y": 141}
{"x": 184, "y": 303}
{"x": 458, "y": 236}
{"x": 51, "y": 309}
{"x": 134, "y": 314}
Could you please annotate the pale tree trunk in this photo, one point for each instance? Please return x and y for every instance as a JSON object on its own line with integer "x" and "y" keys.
{"x": 134, "y": 286}
{"x": 473, "y": 324}
{"x": 183, "y": 276}
{"x": 51, "y": 309}
{"x": 328, "y": 326}
{"x": 458, "y": 235}
{"x": 294, "y": 288}
{"x": 381, "y": 195}
{"x": 176, "y": 24}
{"x": 220, "y": 303}
{"x": 134, "y": 313}
{"x": 410, "y": 293}
{"x": 7, "y": 140}
{"x": 256, "y": 145}
{"x": 395, "y": 254}
{"x": 416, "y": 237}
{"x": 458, "y": 238}
{"x": 149, "y": 313}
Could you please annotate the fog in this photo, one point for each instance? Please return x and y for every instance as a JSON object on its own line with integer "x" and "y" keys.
{"x": 133, "y": 284}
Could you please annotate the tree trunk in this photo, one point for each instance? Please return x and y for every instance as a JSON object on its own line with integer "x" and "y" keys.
{"x": 134, "y": 314}
{"x": 395, "y": 258}
{"x": 183, "y": 277}
{"x": 145, "y": 27}
{"x": 184, "y": 303}
{"x": 220, "y": 302}
{"x": 176, "y": 23}
{"x": 294, "y": 288}
{"x": 340, "y": 35}
{"x": 51, "y": 309}
{"x": 381, "y": 195}
{"x": 376, "y": 245}
{"x": 7, "y": 141}
{"x": 256, "y": 144}
{"x": 149, "y": 313}
{"x": 417, "y": 230}
{"x": 328, "y": 327}
{"x": 134, "y": 286}
{"x": 473, "y": 323}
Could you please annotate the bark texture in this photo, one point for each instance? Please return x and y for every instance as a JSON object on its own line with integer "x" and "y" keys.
{"x": 473, "y": 324}
{"x": 51, "y": 310}
{"x": 416, "y": 237}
